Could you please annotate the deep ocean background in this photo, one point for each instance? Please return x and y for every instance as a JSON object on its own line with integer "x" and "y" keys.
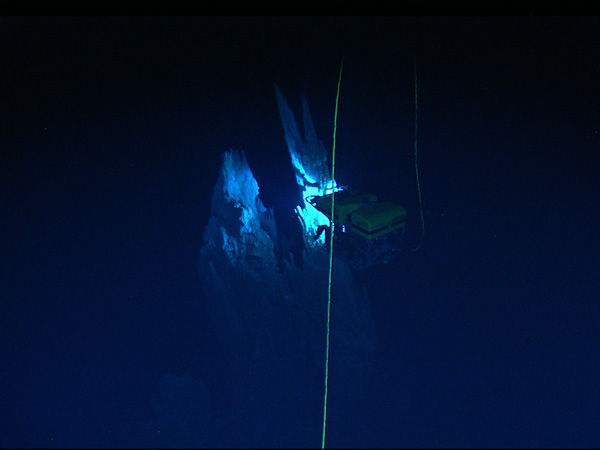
{"x": 112, "y": 131}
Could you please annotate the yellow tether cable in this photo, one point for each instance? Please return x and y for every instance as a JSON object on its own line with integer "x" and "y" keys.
{"x": 332, "y": 223}
{"x": 416, "y": 167}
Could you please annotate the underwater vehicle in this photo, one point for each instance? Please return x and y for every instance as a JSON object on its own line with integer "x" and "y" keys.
{"x": 367, "y": 231}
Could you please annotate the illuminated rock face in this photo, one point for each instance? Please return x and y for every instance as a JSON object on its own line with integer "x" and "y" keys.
{"x": 237, "y": 212}
{"x": 270, "y": 318}
{"x": 309, "y": 159}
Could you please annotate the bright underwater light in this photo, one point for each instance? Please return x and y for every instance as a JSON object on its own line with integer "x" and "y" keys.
{"x": 310, "y": 217}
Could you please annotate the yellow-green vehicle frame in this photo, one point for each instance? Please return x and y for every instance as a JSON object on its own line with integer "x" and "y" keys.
{"x": 367, "y": 231}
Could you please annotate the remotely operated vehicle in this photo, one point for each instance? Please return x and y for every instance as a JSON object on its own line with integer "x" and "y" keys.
{"x": 367, "y": 231}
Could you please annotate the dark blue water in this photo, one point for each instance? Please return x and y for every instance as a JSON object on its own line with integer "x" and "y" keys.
{"x": 113, "y": 130}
